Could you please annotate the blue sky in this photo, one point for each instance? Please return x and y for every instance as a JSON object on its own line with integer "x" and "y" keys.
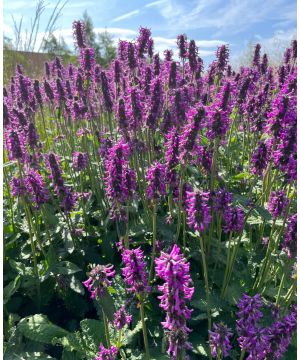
{"x": 209, "y": 22}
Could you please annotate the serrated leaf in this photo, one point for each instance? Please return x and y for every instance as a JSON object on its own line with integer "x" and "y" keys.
{"x": 39, "y": 328}
{"x": 75, "y": 285}
{"x": 65, "y": 268}
{"x": 29, "y": 356}
{"x": 108, "y": 306}
{"x": 130, "y": 334}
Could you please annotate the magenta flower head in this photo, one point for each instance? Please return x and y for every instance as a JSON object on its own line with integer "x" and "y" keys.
{"x": 233, "y": 219}
{"x": 156, "y": 178}
{"x": 256, "y": 56}
{"x": 121, "y": 318}
{"x": 107, "y": 354}
{"x": 88, "y": 62}
{"x": 289, "y": 244}
{"x": 182, "y": 45}
{"x": 79, "y": 34}
{"x": 17, "y": 187}
{"x": 15, "y": 144}
{"x": 69, "y": 199}
{"x": 260, "y": 158}
{"x": 222, "y": 57}
{"x": 278, "y": 203}
{"x": 219, "y": 340}
{"x": 174, "y": 269}
{"x": 35, "y": 186}
{"x": 100, "y": 277}
{"x": 134, "y": 271}
{"x": 142, "y": 42}
{"x": 187, "y": 138}
{"x": 80, "y": 161}
{"x": 198, "y": 213}
{"x": 106, "y": 92}
{"x": 221, "y": 200}
{"x": 192, "y": 55}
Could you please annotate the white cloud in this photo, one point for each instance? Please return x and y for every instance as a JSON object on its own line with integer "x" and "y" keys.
{"x": 233, "y": 15}
{"x": 154, "y": 3}
{"x": 126, "y": 16}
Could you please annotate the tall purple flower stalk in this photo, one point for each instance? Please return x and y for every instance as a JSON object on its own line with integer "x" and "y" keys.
{"x": 198, "y": 212}
{"x": 219, "y": 340}
{"x": 156, "y": 178}
{"x": 134, "y": 271}
{"x": 173, "y": 269}
{"x": 278, "y": 203}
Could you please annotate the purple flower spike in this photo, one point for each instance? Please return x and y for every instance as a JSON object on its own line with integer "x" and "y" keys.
{"x": 198, "y": 214}
{"x": 156, "y": 177}
{"x": 219, "y": 340}
{"x": 80, "y": 161}
{"x": 107, "y": 354}
{"x": 174, "y": 269}
{"x": 79, "y": 34}
{"x": 278, "y": 203}
{"x": 121, "y": 318}
{"x": 233, "y": 219}
{"x": 134, "y": 272}
{"x": 100, "y": 277}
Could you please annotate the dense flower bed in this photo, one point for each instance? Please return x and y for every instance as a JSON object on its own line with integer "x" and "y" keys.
{"x": 150, "y": 208}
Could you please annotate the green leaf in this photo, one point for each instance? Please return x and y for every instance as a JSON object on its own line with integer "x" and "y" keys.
{"x": 65, "y": 268}
{"x": 11, "y": 288}
{"x": 92, "y": 332}
{"x": 70, "y": 355}
{"x": 241, "y": 176}
{"x": 108, "y": 306}
{"x": 75, "y": 285}
{"x": 39, "y": 328}
{"x": 130, "y": 334}
{"x": 29, "y": 356}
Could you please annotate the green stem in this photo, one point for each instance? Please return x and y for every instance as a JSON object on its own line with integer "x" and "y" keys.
{"x": 154, "y": 229}
{"x": 146, "y": 344}
{"x": 106, "y": 329}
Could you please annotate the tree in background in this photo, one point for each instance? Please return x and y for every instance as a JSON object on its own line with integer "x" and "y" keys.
{"x": 105, "y": 51}
{"x": 56, "y": 46}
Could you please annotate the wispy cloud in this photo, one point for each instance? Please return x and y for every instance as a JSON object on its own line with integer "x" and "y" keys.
{"x": 232, "y": 16}
{"x": 126, "y": 16}
{"x": 155, "y": 3}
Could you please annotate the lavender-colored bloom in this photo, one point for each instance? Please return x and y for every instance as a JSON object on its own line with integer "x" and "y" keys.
{"x": 168, "y": 55}
{"x": 249, "y": 315}
{"x": 35, "y": 186}
{"x": 289, "y": 244}
{"x": 222, "y": 57}
{"x": 260, "y": 158}
{"x": 219, "y": 340}
{"x": 55, "y": 169}
{"x": 190, "y": 130}
{"x": 121, "y": 318}
{"x": 172, "y": 75}
{"x": 264, "y": 64}
{"x": 156, "y": 64}
{"x": 278, "y": 203}
{"x": 234, "y": 219}
{"x": 156, "y": 178}
{"x": 134, "y": 271}
{"x": 69, "y": 200}
{"x": 107, "y": 98}
{"x": 79, "y": 34}
{"x": 48, "y": 91}
{"x": 173, "y": 269}
{"x": 131, "y": 56}
{"x": 80, "y": 161}
{"x": 156, "y": 103}
{"x": 256, "y": 56}
{"x": 17, "y": 187}
{"x": 122, "y": 116}
{"x": 294, "y": 49}
{"x": 15, "y": 145}
{"x": 37, "y": 92}
{"x": 142, "y": 41}
{"x": 218, "y": 122}
{"x": 107, "y": 354}
{"x": 221, "y": 200}
{"x": 281, "y": 333}
{"x": 100, "y": 277}
{"x": 117, "y": 70}
{"x": 87, "y": 62}
{"x": 192, "y": 55}
{"x": 198, "y": 212}
{"x": 32, "y": 136}
{"x": 182, "y": 45}
{"x": 172, "y": 149}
